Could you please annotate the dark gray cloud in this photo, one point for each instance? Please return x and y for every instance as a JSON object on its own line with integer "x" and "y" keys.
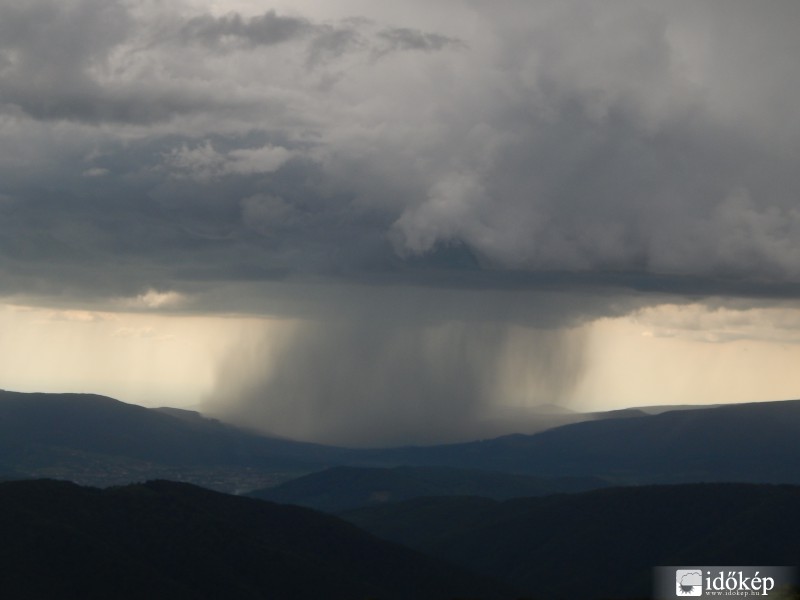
{"x": 46, "y": 52}
{"x": 77, "y": 61}
{"x": 102, "y": 62}
{"x": 403, "y": 38}
{"x": 326, "y": 41}
{"x": 263, "y": 30}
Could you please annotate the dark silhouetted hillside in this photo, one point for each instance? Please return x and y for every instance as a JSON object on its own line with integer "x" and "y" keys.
{"x": 101, "y": 441}
{"x": 602, "y": 543}
{"x": 342, "y": 488}
{"x": 177, "y": 541}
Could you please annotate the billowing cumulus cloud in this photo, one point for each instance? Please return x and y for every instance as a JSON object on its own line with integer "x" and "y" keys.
{"x": 615, "y": 154}
{"x": 550, "y": 137}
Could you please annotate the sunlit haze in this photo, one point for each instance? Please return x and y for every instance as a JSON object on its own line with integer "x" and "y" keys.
{"x": 659, "y": 355}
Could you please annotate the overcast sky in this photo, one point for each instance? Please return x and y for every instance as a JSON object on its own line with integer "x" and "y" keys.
{"x": 362, "y": 221}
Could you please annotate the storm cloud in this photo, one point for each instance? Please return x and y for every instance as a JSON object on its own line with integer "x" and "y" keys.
{"x": 272, "y": 161}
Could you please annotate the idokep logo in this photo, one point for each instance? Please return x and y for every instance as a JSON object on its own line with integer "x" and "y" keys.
{"x": 689, "y": 582}
{"x": 707, "y": 582}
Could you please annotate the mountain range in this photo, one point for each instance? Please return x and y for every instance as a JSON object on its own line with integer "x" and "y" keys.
{"x": 533, "y": 516}
{"x": 96, "y": 440}
{"x": 758, "y": 442}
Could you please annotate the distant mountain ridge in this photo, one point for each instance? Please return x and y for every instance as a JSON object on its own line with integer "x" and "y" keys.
{"x": 99, "y": 423}
{"x": 101, "y": 441}
{"x": 758, "y": 442}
